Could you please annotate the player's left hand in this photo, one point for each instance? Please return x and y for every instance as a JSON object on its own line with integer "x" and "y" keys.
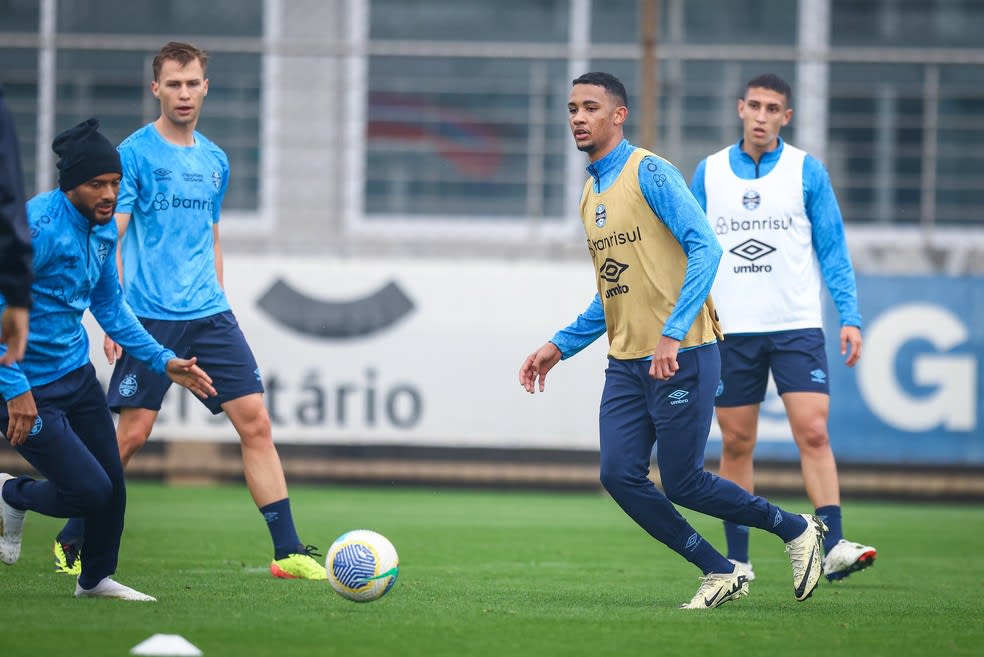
{"x": 185, "y": 372}
{"x": 664, "y": 363}
{"x": 851, "y": 337}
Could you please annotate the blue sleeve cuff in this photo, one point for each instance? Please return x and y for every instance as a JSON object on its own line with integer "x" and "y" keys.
{"x": 13, "y": 383}
{"x": 159, "y": 364}
{"x": 588, "y": 327}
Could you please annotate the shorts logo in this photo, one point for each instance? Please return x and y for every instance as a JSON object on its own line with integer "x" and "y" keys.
{"x": 601, "y": 215}
{"x": 679, "y": 397}
{"x": 750, "y": 199}
{"x": 818, "y": 376}
{"x": 38, "y": 425}
{"x": 777, "y": 520}
{"x": 128, "y": 386}
{"x": 256, "y": 373}
{"x": 720, "y": 389}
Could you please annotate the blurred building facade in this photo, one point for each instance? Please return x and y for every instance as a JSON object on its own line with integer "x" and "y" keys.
{"x": 432, "y": 128}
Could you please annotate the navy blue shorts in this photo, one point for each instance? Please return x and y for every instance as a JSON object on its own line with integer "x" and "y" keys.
{"x": 222, "y": 352}
{"x": 797, "y": 359}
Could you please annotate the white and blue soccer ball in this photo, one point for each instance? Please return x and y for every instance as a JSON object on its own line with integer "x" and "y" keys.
{"x": 362, "y": 565}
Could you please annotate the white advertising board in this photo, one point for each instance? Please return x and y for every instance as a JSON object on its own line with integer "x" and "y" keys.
{"x": 404, "y": 352}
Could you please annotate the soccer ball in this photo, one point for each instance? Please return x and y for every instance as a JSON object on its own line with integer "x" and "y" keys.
{"x": 362, "y": 565}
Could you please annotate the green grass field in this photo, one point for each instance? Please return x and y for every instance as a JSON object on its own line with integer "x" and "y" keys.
{"x": 494, "y": 573}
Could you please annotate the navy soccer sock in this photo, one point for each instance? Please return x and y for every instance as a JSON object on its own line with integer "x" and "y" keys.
{"x": 280, "y": 522}
{"x": 72, "y": 532}
{"x": 692, "y": 547}
{"x": 831, "y": 516}
{"x": 737, "y": 538}
{"x": 786, "y": 526}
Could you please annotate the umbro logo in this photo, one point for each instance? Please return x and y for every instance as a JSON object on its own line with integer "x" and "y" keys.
{"x": 162, "y": 174}
{"x": 752, "y": 250}
{"x": 679, "y": 397}
{"x": 611, "y": 270}
{"x": 818, "y": 376}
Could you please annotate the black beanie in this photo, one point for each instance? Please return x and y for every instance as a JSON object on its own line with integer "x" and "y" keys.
{"x": 83, "y": 155}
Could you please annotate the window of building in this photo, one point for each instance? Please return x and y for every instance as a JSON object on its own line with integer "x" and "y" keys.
{"x": 100, "y": 65}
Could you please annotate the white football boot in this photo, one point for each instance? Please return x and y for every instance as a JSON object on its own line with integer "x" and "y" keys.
{"x": 846, "y": 558}
{"x": 804, "y": 557}
{"x": 110, "y": 588}
{"x": 717, "y": 588}
{"x": 11, "y": 527}
{"x": 747, "y": 567}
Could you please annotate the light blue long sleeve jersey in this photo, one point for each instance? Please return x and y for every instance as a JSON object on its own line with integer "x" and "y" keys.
{"x": 174, "y": 195}
{"x": 75, "y": 269}
{"x": 827, "y": 224}
{"x": 673, "y": 204}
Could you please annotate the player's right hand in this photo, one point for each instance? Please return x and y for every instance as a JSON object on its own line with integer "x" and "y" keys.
{"x": 112, "y": 350}
{"x": 22, "y": 412}
{"x": 536, "y": 366}
{"x": 185, "y": 372}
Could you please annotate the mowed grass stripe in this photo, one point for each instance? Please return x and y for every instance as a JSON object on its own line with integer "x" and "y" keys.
{"x": 494, "y": 573}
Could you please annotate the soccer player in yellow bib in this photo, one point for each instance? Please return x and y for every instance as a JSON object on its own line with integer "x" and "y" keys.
{"x": 655, "y": 257}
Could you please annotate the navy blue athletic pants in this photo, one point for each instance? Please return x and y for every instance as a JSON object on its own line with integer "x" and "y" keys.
{"x": 638, "y": 412}
{"x": 73, "y": 445}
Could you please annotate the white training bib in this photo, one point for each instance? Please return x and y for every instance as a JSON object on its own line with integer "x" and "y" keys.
{"x": 769, "y": 277}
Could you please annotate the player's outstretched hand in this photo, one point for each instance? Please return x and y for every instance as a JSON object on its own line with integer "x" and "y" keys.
{"x": 185, "y": 372}
{"x": 112, "y": 350}
{"x": 536, "y": 366}
{"x": 22, "y": 412}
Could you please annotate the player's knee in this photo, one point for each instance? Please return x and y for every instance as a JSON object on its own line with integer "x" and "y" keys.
{"x": 616, "y": 479}
{"x": 683, "y": 489}
{"x": 88, "y": 494}
{"x": 813, "y": 436}
{"x": 256, "y": 432}
{"x": 737, "y": 444}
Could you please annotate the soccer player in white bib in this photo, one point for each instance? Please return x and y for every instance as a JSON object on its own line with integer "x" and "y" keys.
{"x": 776, "y": 216}
{"x": 174, "y": 181}
{"x": 655, "y": 258}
